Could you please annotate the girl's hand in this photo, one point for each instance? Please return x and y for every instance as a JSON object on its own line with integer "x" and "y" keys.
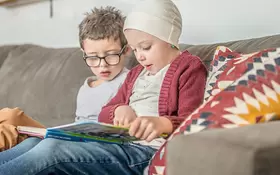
{"x": 149, "y": 128}
{"x": 124, "y": 115}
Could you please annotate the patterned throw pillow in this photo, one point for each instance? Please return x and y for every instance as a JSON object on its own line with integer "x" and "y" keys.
{"x": 221, "y": 56}
{"x": 254, "y": 97}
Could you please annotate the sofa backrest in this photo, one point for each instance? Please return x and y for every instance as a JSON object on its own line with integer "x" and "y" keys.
{"x": 205, "y": 52}
{"x": 4, "y": 53}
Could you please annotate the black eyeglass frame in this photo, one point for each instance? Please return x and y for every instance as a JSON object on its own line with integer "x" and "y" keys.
{"x": 85, "y": 57}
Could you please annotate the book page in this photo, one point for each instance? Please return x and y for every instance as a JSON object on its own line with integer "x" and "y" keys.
{"x": 31, "y": 131}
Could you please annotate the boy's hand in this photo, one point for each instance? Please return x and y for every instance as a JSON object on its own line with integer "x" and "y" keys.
{"x": 124, "y": 115}
{"x": 149, "y": 128}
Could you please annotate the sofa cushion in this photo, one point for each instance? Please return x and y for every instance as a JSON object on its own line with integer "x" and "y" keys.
{"x": 234, "y": 68}
{"x": 252, "y": 98}
{"x": 219, "y": 63}
{"x": 250, "y": 150}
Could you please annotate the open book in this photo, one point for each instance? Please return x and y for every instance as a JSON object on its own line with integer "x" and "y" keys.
{"x": 82, "y": 132}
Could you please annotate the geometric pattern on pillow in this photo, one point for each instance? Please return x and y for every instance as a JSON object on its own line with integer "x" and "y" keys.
{"x": 252, "y": 98}
{"x": 221, "y": 57}
{"x": 236, "y": 68}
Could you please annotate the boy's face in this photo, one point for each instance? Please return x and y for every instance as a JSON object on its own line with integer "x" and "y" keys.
{"x": 108, "y": 49}
{"x": 151, "y": 52}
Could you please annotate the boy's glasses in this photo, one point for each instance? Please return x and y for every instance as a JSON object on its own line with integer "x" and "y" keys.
{"x": 110, "y": 59}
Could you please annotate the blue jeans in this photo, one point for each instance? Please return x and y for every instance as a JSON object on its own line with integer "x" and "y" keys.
{"x": 18, "y": 150}
{"x": 52, "y": 156}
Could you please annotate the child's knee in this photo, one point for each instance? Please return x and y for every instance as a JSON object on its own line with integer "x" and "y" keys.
{"x": 49, "y": 149}
{"x": 50, "y": 143}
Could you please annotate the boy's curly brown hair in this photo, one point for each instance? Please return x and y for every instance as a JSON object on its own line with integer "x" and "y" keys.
{"x": 102, "y": 23}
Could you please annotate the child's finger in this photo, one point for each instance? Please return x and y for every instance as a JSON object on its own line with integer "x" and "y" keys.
{"x": 147, "y": 132}
{"x": 116, "y": 122}
{"x": 121, "y": 122}
{"x": 141, "y": 128}
{"x": 134, "y": 127}
{"x": 126, "y": 123}
{"x": 152, "y": 136}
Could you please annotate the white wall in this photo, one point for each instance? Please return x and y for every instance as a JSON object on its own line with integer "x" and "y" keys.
{"x": 205, "y": 21}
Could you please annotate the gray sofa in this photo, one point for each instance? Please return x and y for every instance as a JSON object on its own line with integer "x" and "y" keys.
{"x": 44, "y": 83}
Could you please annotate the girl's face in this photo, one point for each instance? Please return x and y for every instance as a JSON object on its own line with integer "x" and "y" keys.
{"x": 151, "y": 52}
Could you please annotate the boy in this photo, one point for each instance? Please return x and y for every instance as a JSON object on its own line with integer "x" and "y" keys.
{"x": 104, "y": 49}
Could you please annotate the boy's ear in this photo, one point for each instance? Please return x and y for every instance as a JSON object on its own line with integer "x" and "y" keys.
{"x": 127, "y": 51}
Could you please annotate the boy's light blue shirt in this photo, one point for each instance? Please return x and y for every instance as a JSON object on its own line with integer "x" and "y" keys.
{"x": 90, "y": 100}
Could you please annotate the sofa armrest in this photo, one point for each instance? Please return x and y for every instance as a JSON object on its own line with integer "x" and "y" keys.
{"x": 249, "y": 150}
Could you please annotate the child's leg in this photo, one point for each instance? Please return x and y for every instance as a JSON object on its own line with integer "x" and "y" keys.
{"x": 18, "y": 150}
{"x": 9, "y": 120}
{"x": 53, "y": 156}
